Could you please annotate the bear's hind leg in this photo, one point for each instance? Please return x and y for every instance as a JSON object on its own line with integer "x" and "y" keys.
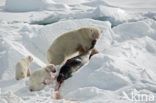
{"x": 58, "y": 60}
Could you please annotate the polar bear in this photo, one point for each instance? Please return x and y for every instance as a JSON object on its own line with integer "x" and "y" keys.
{"x": 22, "y": 68}
{"x": 41, "y": 77}
{"x": 71, "y": 42}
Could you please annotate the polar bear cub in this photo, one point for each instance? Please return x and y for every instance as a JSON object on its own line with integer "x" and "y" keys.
{"x": 41, "y": 77}
{"x": 22, "y": 68}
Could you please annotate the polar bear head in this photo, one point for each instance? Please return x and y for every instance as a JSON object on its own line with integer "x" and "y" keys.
{"x": 29, "y": 58}
{"x": 93, "y": 33}
{"x": 50, "y": 68}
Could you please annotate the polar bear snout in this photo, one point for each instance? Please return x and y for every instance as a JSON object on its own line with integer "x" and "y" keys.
{"x": 53, "y": 71}
{"x": 95, "y": 36}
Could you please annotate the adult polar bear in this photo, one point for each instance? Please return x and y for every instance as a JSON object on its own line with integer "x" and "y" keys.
{"x": 68, "y": 43}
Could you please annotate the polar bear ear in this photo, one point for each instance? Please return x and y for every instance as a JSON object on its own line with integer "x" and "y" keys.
{"x": 30, "y": 58}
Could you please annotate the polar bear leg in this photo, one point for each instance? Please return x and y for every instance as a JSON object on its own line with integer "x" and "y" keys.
{"x": 28, "y": 72}
{"x": 57, "y": 60}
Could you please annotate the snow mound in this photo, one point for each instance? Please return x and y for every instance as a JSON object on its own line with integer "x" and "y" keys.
{"x": 102, "y": 13}
{"x": 98, "y": 73}
{"x": 135, "y": 30}
{"x": 114, "y": 15}
{"x": 101, "y": 75}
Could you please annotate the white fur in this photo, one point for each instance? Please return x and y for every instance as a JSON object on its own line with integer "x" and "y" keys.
{"x": 22, "y": 68}
{"x": 39, "y": 76}
{"x": 70, "y": 43}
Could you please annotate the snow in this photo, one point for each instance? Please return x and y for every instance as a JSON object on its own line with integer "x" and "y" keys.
{"x": 12, "y": 98}
{"x": 125, "y": 64}
{"x": 133, "y": 4}
{"x": 25, "y": 5}
{"x": 32, "y": 5}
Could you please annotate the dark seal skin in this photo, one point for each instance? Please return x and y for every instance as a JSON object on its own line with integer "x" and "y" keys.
{"x": 73, "y": 64}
